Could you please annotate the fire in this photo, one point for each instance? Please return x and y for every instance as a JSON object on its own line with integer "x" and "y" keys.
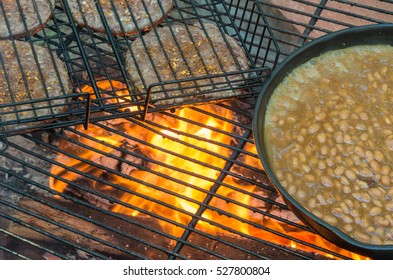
{"x": 186, "y": 161}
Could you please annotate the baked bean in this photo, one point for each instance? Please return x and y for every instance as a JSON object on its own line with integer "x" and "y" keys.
{"x": 302, "y": 157}
{"x": 387, "y": 132}
{"x": 344, "y": 207}
{"x": 362, "y": 184}
{"x": 389, "y": 143}
{"x": 369, "y": 156}
{"x": 344, "y": 114}
{"x": 378, "y": 203}
{"x": 329, "y": 162}
{"x": 301, "y": 194}
{"x": 312, "y": 203}
{"x": 322, "y": 165}
{"x": 350, "y": 203}
{"x": 375, "y": 166}
{"x": 385, "y": 170}
{"x": 389, "y": 206}
{"x": 324, "y": 150}
{"x": 321, "y": 199}
{"x": 295, "y": 162}
{"x": 347, "y": 139}
{"x": 345, "y": 181}
{"x": 363, "y": 116}
{"x": 362, "y": 237}
{"x": 359, "y": 151}
{"x": 314, "y": 128}
{"x": 327, "y": 182}
{"x": 364, "y": 137}
{"x": 333, "y": 152}
{"x": 376, "y": 193}
{"x": 380, "y": 231}
{"x": 306, "y": 168}
{"x": 378, "y": 155}
{"x": 350, "y": 174}
{"x": 385, "y": 180}
{"x": 279, "y": 174}
{"x": 291, "y": 189}
{"x": 328, "y": 127}
{"x": 348, "y": 228}
{"x": 365, "y": 172}
{"x": 377, "y": 76}
{"x": 338, "y": 212}
{"x": 330, "y": 219}
{"x": 310, "y": 178}
{"x": 355, "y": 213}
{"x": 339, "y": 170}
{"x": 361, "y": 127}
{"x": 375, "y": 211}
{"x": 381, "y": 221}
{"x": 321, "y": 116}
{"x": 389, "y": 194}
{"x": 371, "y": 230}
{"x": 359, "y": 161}
{"x": 347, "y": 219}
{"x": 318, "y": 214}
{"x": 343, "y": 125}
{"x": 376, "y": 240}
{"x": 339, "y": 136}
{"x": 362, "y": 197}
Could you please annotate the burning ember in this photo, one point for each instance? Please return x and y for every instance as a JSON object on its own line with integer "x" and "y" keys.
{"x": 170, "y": 165}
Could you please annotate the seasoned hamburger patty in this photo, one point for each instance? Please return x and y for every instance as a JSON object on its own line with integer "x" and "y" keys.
{"x": 125, "y": 18}
{"x": 20, "y": 80}
{"x": 34, "y": 14}
{"x": 183, "y": 52}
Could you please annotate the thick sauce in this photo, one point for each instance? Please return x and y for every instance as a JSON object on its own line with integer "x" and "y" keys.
{"x": 329, "y": 137}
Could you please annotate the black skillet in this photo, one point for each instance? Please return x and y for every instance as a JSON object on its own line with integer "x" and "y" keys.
{"x": 370, "y": 34}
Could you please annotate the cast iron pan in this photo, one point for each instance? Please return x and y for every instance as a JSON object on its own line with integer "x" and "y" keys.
{"x": 370, "y": 34}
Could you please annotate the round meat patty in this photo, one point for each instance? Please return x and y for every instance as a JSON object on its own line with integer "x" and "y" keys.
{"x": 34, "y": 14}
{"x": 184, "y": 52}
{"x": 125, "y": 18}
{"x": 28, "y": 74}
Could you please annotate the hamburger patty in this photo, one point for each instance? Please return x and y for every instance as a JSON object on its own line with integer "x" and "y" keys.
{"x": 21, "y": 66}
{"x": 183, "y": 52}
{"x": 126, "y": 18}
{"x": 34, "y": 14}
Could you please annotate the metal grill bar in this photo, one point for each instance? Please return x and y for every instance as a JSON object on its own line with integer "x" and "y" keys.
{"x": 313, "y": 20}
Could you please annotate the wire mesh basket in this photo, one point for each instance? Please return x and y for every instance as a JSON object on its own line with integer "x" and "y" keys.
{"x": 99, "y": 55}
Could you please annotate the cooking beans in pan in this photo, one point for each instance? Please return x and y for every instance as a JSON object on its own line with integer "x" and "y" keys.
{"x": 329, "y": 138}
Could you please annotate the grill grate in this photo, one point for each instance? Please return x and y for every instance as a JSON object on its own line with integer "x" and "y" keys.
{"x": 237, "y": 216}
{"x": 298, "y": 22}
{"x": 189, "y": 243}
{"x": 91, "y": 57}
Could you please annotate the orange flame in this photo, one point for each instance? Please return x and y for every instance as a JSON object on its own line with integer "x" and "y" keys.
{"x": 175, "y": 173}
